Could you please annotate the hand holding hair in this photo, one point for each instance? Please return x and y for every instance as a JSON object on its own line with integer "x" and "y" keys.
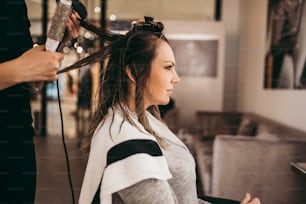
{"x": 38, "y": 65}
{"x": 64, "y": 26}
{"x": 56, "y": 31}
{"x": 249, "y": 200}
{"x": 73, "y": 26}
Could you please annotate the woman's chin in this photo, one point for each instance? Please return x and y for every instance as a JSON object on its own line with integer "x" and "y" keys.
{"x": 164, "y": 102}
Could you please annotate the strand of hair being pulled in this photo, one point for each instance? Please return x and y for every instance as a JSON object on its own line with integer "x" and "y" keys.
{"x": 100, "y": 55}
{"x": 96, "y": 56}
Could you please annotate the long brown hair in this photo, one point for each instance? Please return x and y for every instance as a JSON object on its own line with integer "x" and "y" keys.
{"x": 135, "y": 50}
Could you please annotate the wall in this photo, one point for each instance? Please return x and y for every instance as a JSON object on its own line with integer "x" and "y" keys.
{"x": 199, "y": 93}
{"x": 161, "y": 9}
{"x": 287, "y": 106}
{"x": 231, "y": 20}
{"x": 132, "y": 9}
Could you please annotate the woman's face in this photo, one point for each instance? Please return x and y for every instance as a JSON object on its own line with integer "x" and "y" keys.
{"x": 162, "y": 76}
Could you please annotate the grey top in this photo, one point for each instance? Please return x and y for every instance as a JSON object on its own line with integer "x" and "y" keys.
{"x": 148, "y": 175}
{"x": 181, "y": 189}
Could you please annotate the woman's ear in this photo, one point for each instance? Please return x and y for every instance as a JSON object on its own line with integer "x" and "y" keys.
{"x": 130, "y": 75}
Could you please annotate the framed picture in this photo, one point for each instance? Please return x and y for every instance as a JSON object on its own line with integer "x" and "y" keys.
{"x": 196, "y": 54}
{"x": 285, "y": 65}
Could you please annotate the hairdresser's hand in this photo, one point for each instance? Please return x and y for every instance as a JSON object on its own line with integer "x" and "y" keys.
{"x": 38, "y": 65}
{"x": 73, "y": 26}
{"x": 249, "y": 200}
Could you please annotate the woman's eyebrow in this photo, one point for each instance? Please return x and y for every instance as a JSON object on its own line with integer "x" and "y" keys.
{"x": 172, "y": 63}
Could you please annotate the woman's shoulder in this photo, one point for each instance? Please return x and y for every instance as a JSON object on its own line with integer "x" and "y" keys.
{"x": 115, "y": 129}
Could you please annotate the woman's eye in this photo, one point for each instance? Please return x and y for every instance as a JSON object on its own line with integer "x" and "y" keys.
{"x": 169, "y": 67}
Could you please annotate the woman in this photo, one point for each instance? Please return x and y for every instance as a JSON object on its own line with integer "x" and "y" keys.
{"x": 21, "y": 64}
{"x": 133, "y": 156}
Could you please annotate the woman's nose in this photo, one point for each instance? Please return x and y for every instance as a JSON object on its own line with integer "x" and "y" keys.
{"x": 176, "y": 79}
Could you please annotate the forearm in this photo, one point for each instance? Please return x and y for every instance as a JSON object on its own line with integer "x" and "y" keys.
{"x": 151, "y": 191}
{"x": 35, "y": 64}
{"x": 9, "y": 74}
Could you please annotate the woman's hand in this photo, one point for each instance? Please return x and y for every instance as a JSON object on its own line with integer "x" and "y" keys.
{"x": 249, "y": 200}
{"x": 38, "y": 65}
{"x": 73, "y": 26}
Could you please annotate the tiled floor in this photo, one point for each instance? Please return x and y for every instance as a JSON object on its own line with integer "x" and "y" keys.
{"x": 52, "y": 175}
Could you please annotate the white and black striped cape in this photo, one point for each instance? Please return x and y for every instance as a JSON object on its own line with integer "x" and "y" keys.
{"x": 122, "y": 155}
